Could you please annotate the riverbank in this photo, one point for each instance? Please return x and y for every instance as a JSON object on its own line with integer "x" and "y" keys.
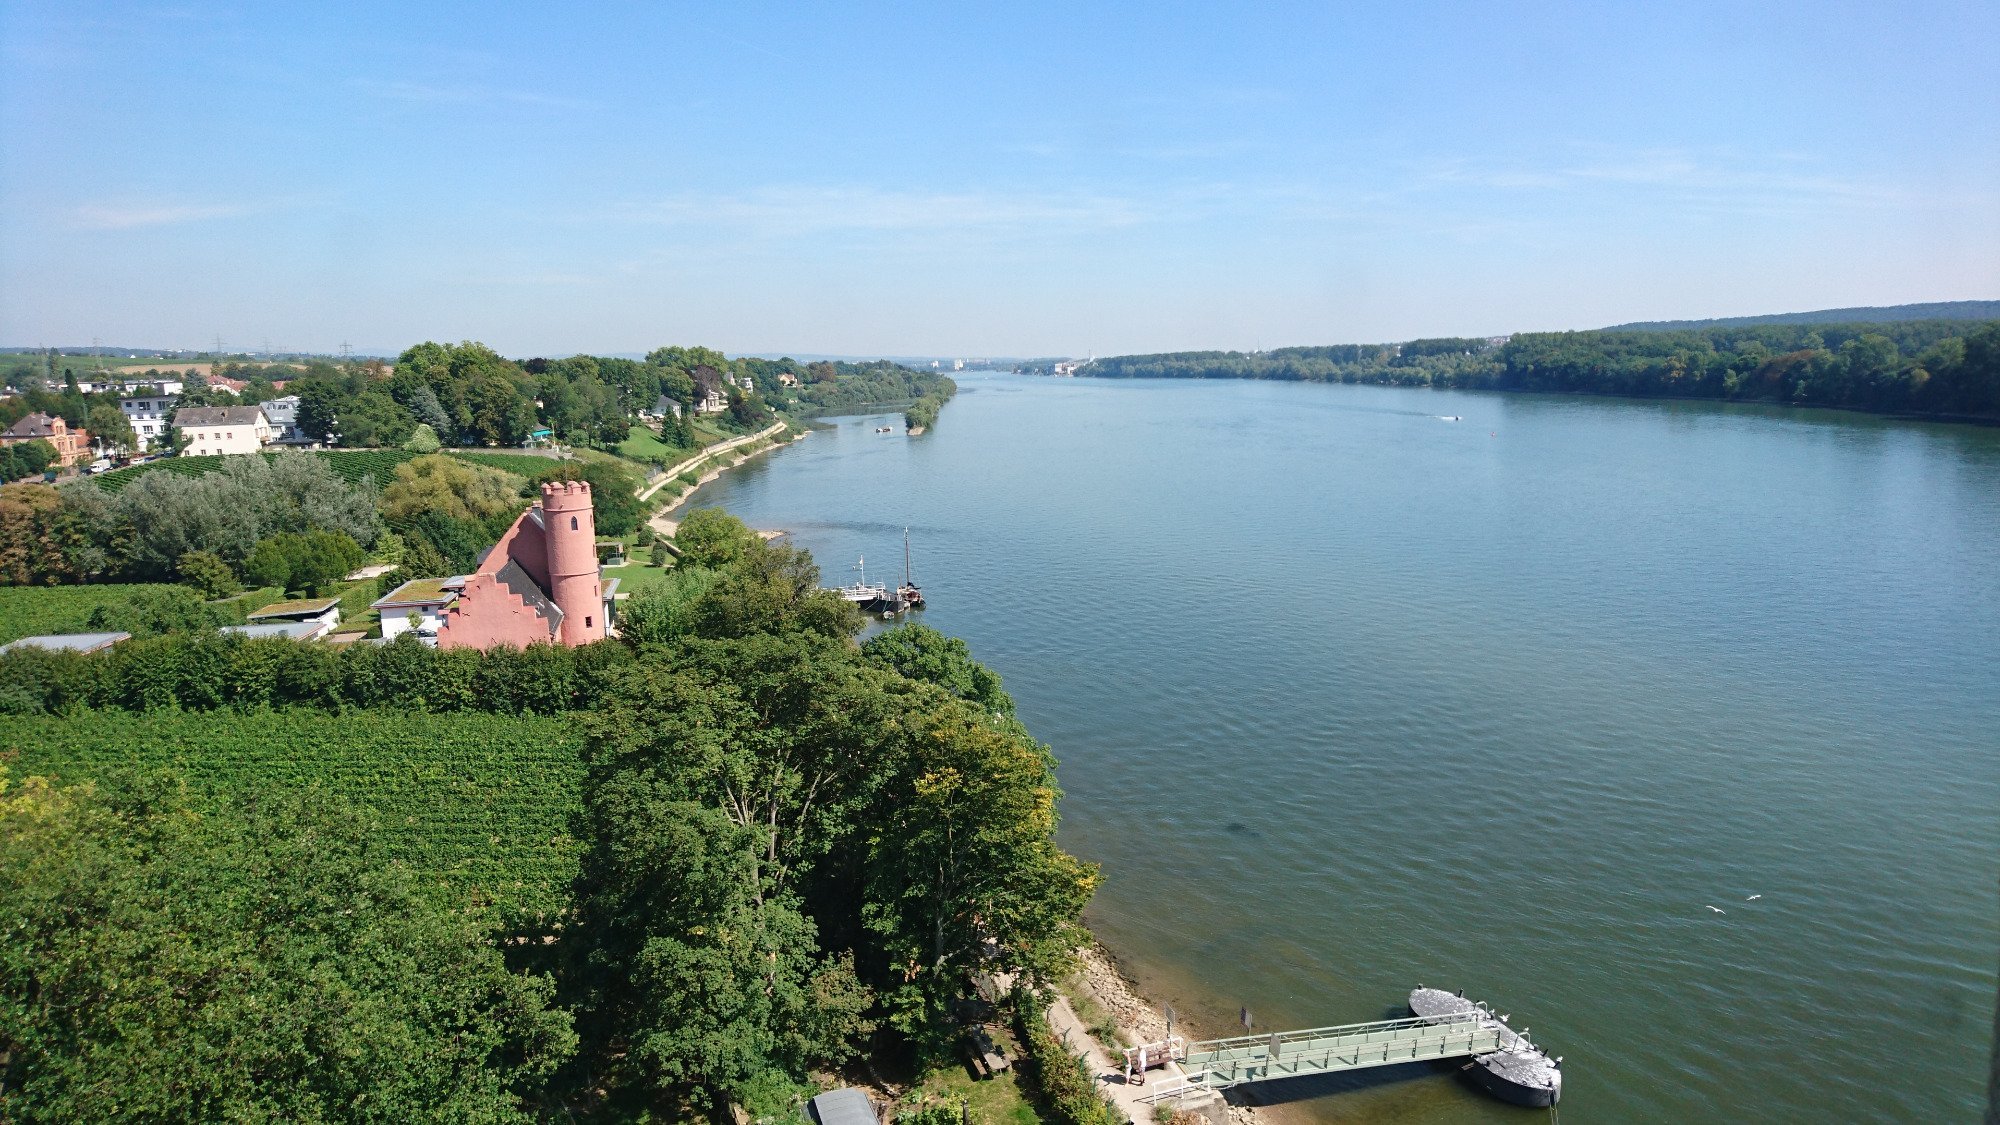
{"x": 1098, "y": 997}
{"x": 665, "y": 524}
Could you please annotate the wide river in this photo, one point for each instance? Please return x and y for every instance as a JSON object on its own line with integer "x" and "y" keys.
{"x": 1349, "y": 696}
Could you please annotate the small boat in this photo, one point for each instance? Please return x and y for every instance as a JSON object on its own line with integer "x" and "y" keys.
{"x": 885, "y": 429}
{"x": 908, "y": 593}
{"x": 861, "y": 592}
{"x": 1519, "y": 1072}
{"x": 876, "y": 597}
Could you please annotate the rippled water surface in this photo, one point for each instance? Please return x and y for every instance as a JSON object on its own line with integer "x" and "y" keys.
{"x": 1349, "y": 697}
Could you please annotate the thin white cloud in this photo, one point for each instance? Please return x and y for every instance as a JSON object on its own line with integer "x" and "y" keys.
{"x": 1724, "y": 181}
{"x": 779, "y": 211}
{"x": 131, "y": 216}
{"x": 466, "y": 95}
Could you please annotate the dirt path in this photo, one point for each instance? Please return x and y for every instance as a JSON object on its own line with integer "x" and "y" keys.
{"x": 666, "y": 525}
{"x": 707, "y": 451}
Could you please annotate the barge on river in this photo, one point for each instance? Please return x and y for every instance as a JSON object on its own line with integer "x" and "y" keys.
{"x": 876, "y": 597}
{"x": 1518, "y": 1072}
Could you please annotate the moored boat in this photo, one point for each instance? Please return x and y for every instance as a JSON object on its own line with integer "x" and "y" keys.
{"x": 1519, "y": 1072}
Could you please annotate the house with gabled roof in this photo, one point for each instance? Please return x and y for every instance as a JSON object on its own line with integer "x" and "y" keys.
{"x": 223, "y": 430}
{"x": 71, "y": 444}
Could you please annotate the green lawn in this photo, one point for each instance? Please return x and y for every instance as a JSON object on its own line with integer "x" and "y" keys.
{"x": 644, "y": 445}
{"x": 636, "y": 577}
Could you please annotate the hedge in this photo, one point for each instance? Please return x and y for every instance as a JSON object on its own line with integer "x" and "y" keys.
{"x": 202, "y": 672}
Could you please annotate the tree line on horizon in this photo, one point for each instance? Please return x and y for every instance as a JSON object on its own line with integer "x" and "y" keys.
{"x": 467, "y": 395}
{"x": 1933, "y": 367}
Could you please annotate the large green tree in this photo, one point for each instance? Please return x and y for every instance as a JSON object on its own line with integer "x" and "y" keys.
{"x": 255, "y": 962}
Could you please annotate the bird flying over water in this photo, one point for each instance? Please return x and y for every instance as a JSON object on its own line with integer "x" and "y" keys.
{"x": 1717, "y": 909}
{"x": 1753, "y": 898}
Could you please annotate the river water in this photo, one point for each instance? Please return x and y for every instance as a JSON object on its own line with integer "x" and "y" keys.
{"x": 1348, "y": 696}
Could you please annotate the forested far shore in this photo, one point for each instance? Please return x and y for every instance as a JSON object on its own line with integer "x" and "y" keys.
{"x": 1948, "y": 368}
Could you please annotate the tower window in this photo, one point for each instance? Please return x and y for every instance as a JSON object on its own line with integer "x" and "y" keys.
{"x": 586, "y": 622}
{"x": 572, "y": 523}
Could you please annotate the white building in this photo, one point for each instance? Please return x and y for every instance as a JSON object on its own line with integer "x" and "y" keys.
{"x": 283, "y": 414}
{"x": 148, "y": 415}
{"x": 213, "y": 430}
{"x": 418, "y": 605}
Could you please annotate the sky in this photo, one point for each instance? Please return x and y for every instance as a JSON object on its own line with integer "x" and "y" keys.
{"x": 1017, "y": 179}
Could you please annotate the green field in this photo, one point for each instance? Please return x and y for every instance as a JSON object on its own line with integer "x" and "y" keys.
{"x": 645, "y": 445}
{"x": 30, "y": 611}
{"x": 520, "y": 464}
{"x": 477, "y": 804}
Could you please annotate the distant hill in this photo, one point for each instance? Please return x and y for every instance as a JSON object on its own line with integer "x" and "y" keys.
{"x": 1879, "y": 314}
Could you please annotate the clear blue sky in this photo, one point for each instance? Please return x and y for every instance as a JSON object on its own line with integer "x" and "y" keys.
{"x": 1018, "y": 179}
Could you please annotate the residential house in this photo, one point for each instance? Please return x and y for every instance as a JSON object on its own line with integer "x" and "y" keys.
{"x": 539, "y": 584}
{"x": 148, "y": 414}
{"x": 71, "y": 445}
{"x": 787, "y": 379}
{"x": 283, "y": 414}
{"x": 663, "y": 407}
{"x": 418, "y": 606}
{"x": 710, "y": 397}
{"x": 212, "y": 430}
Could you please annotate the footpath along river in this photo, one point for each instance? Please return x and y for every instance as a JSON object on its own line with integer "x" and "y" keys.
{"x": 1349, "y": 696}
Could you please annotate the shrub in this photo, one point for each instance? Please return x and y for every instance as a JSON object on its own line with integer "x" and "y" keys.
{"x": 156, "y": 610}
{"x": 207, "y": 574}
{"x": 1067, "y": 1088}
{"x": 307, "y": 562}
{"x": 423, "y": 440}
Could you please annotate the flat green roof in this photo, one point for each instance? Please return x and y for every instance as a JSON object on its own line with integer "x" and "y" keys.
{"x": 417, "y": 591}
{"x": 304, "y": 607}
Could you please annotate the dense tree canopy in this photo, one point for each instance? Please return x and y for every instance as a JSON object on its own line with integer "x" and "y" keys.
{"x": 165, "y": 964}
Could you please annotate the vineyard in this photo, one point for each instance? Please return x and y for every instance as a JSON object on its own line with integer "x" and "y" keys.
{"x": 477, "y": 804}
{"x": 520, "y": 464}
{"x": 29, "y": 611}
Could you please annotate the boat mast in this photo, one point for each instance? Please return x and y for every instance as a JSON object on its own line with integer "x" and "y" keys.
{"x": 906, "y": 556}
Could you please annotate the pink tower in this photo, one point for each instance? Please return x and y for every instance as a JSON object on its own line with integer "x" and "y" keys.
{"x": 572, "y": 543}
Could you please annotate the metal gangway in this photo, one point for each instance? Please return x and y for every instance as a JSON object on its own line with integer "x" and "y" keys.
{"x": 1218, "y": 1064}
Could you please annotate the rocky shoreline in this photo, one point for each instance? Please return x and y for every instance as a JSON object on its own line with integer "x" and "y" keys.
{"x": 1101, "y": 982}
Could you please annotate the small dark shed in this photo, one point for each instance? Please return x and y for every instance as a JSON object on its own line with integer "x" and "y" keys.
{"x": 845, "y": 1106}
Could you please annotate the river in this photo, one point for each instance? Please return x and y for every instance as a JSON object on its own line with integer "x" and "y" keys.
{"x": 1348, "y": 696}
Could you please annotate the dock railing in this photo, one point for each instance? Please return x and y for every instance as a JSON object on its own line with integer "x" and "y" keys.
{"x": 1219, "y": 1063}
